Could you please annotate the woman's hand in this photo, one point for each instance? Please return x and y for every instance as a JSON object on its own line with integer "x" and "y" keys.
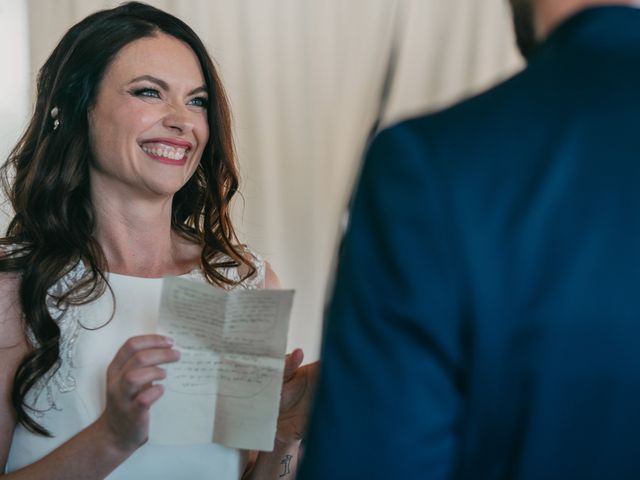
{"x": 297, "y": 394}
{"x": 131, "y": 391}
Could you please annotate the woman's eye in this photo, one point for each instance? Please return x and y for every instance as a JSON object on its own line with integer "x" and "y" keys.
{"x": 147, "y": 92}
{"x": 199, "y": 102}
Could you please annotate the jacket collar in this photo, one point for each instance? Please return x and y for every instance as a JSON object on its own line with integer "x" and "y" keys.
{"x": 598, "y": 27}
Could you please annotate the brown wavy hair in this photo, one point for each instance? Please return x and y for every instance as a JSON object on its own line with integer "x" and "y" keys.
{"x": 46, "y": 179}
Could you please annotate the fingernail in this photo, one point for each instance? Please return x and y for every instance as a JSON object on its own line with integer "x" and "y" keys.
{"x": 170, "y": 341}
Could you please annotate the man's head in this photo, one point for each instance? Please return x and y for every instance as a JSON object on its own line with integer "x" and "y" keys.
{"x": 523, "y": 20}
{"x": 535, "y": 19}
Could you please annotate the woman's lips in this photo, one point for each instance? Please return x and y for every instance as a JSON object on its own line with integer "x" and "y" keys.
{"x": 172, "y": 152}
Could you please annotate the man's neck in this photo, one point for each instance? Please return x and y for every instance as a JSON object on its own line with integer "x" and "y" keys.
{"x": 551, "y": 13}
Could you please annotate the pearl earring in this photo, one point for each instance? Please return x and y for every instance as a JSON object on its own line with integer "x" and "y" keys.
{"x": 54, "y": 116}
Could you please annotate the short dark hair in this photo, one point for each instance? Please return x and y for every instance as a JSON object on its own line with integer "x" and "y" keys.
{"x": 524, "y": 26}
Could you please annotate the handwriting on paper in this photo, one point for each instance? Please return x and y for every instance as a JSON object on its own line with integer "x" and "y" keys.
{"x": 232, "y": 346}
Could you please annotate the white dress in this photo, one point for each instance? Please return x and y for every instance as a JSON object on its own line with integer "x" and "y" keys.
{"x": 75, "y": 396}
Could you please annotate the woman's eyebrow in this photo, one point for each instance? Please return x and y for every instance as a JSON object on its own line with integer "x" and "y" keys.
{"x": 200, "y": 89}
{"x": 164, "y": 85}
{"x": 161, "y": 83}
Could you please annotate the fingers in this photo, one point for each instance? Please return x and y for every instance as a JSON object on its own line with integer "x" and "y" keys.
{"x": 134, "y": 381}
{"x": 135, "y": 345}
{"x": 148, "y": 396}
{"x": 135, "y": 368}
{"x": 295, "y": 403}
{"x": 292, "y": 362}
{"x": 150, "y": 357}
{"x": 300, "y": 387}
{"x": 131, "y": 387}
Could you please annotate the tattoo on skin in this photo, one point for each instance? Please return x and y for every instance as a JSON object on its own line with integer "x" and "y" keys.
{"x": 286, "y": 465}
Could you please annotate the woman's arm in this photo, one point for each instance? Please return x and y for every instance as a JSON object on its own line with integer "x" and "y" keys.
{"x": 91, "y": 454}
{"x": 13, "y": 347}
{"x": 297, "y": 393}
{"x": 123, "y": 426}
{"x": 121, "y": 429}
{"x": 281, "y": 463}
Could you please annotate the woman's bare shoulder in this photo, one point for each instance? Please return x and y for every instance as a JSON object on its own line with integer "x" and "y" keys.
{"x": 13, "y": 348}
{"x": 11, "y": 324}
{"x": 271, "y": 280}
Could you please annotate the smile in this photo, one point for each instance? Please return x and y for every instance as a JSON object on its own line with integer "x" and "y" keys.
{"x": 166, "y": 152}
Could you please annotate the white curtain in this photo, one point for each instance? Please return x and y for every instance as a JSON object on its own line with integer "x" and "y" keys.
{"x": 451, "y": 49}
{"x": 14, "y": 83}
{"x": 305, "y": 79}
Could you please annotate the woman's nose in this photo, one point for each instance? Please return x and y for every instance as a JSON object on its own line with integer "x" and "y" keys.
{"x": 178, "y": 119}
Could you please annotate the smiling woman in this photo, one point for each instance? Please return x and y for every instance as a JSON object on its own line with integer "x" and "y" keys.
{"x": 148, "y": 131}
{"x": 124, "y": 175}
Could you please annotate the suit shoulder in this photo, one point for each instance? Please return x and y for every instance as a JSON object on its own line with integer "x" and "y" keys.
{"x": 475, "y": 128}
{"x": 475, "y": 112}
{"x": 403, "y": 133}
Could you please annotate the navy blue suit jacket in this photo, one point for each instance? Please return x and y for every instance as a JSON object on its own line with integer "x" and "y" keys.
{"x": 485, "y": 322}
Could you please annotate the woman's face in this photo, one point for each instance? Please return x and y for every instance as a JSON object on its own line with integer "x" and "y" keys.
{"x": 148, "y": 126}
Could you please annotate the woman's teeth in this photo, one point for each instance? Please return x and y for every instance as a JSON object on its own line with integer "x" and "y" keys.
{"x": 172, "y": 153}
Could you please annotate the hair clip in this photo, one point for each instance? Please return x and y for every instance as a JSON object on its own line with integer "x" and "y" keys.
{"x": 54, "y": 115}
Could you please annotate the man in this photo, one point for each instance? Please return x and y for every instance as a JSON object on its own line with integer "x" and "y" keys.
{"x": 485, "y": 322}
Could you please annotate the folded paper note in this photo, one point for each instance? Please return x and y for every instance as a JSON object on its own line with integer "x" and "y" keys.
{"x": 226, "y": 386}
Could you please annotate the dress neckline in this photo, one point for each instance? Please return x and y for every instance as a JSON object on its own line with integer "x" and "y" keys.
{"x": 191, "y": 273}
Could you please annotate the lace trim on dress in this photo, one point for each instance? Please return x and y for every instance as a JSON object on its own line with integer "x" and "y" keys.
{"x": 41, "y": 398}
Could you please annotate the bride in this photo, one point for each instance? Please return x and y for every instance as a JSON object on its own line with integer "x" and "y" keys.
{"x": 124, "y": 175}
